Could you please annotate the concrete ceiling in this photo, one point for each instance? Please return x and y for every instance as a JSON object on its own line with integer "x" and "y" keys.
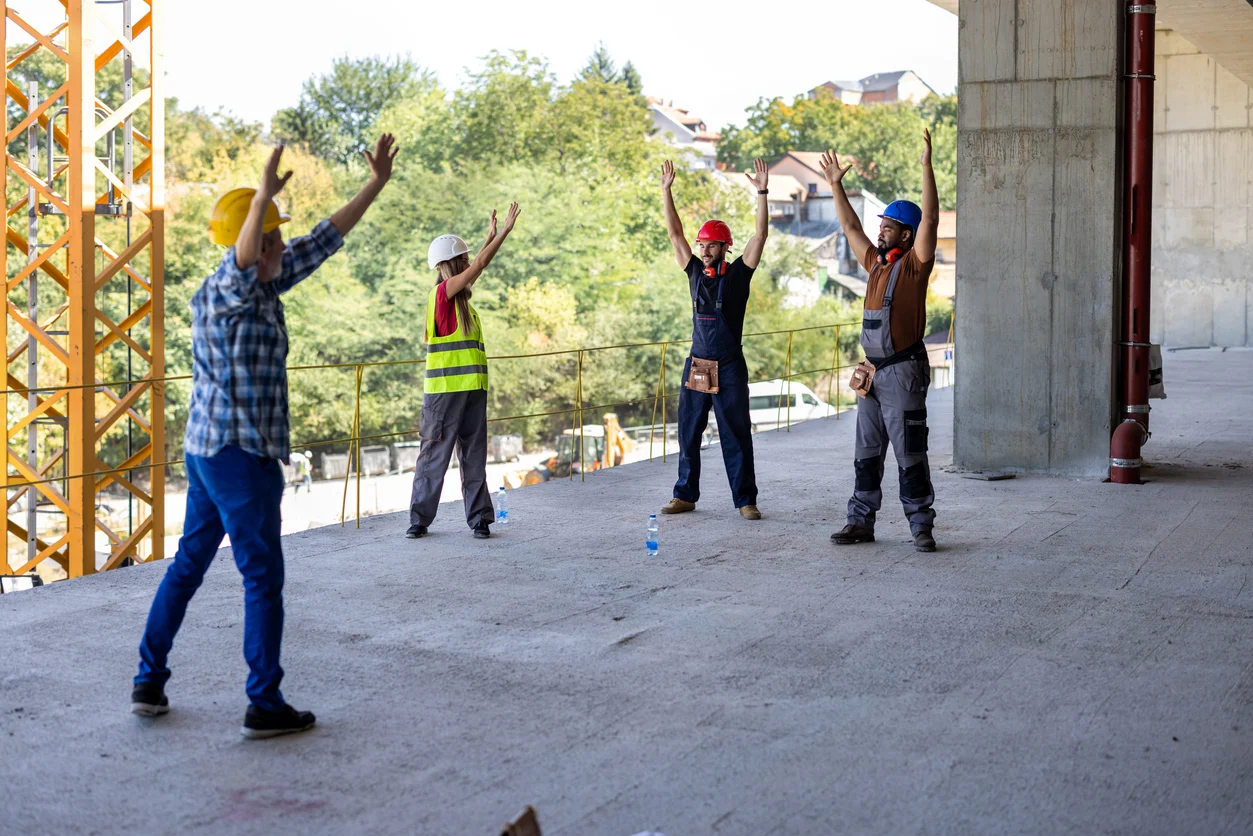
{"x": 1222, "y": 29}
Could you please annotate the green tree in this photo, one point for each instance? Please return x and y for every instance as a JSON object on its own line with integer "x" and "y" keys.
{"x": 631, "y": 78}
{"x": 336, "y": 113}
{"x": 600, "y": 66}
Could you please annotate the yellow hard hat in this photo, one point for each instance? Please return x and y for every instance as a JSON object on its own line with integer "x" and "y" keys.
{"x": 231, "y": 210}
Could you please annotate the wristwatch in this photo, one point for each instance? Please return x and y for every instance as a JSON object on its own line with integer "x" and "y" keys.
{"x": 763, "y": 191}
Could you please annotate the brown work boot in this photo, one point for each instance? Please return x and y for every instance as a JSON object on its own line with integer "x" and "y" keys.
{"x": 750, "y": 512}
{"x": 924, "y": 542}
{"x": 678, "y": 506}
{"x": 850, "y": 534}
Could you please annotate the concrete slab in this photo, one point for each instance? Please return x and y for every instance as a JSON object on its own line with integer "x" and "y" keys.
{"x": 1076, "y": 658}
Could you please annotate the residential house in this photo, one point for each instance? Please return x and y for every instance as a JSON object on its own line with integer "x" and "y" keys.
{"x": 685, "y": 131}
{"x": 880, "y": 88}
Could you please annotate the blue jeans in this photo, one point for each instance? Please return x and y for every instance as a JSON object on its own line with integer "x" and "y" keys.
{"x": 237, "y": 493}
{"x": 735, "y": 431}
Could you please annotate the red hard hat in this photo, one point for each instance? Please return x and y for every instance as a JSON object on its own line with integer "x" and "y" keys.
{"x": 715, "y": 231}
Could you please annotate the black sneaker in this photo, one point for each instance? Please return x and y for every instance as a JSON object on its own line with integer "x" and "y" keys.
{"x": 924, "y": 542}
{"x": 148, "y": 700}
{"x": 482, "y": 531}
{"x": 260, "y": 724}
{"x": 416, "y": 531}
{"x": 850, "y": 534}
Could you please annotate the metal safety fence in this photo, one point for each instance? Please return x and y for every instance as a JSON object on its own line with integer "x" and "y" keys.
{"x": 839, "y": 337}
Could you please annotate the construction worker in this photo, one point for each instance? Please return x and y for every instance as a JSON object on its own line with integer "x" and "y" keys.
{"x": 719, "y": 294}
{"x": 454, "y": 407}
{"x": 238, "y": 432}
{"x": 893, "y": 325}
{"x": 301, "y": 461}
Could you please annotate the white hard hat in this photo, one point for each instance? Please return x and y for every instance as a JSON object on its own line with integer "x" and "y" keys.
{"x": 445, "y": 247}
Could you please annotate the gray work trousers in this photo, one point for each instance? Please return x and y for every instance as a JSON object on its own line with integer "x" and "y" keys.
{"x": 452, "y": 419}
{"x": 895, "y": 411}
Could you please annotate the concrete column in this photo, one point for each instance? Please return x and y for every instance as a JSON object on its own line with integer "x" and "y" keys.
{"x": 1037, "y": 208}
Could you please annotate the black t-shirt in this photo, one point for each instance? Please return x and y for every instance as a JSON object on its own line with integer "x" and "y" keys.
{"x": 734, "y": 291}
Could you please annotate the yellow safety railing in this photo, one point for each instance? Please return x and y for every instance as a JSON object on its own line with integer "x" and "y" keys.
{"x": 575, "y": 410}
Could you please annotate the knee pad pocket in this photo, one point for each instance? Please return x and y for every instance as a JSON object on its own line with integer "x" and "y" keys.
{"x": 916, "y": 480}
{"x": 868, "y": 474}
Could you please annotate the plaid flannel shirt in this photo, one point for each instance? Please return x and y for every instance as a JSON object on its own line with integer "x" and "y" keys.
{"x": 239, "y": 352}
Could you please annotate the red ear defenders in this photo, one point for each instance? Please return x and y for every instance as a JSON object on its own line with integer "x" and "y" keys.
{"x": 891, "y": 256}
{"x": 719, "y": 270}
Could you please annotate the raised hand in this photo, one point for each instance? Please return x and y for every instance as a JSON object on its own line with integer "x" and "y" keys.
{"x": 511, "y": 216}
{"x": 667, "y": 174}
{"x": 380, "y": 161}
{"x": 760, "y": 175}
{"x": 271, "y": 182}
{"x": 491, "y": 227}
{"x": 926, "y": 153}
{"x": 831, "y": 168}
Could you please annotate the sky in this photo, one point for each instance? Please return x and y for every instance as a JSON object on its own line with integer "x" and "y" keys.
{"x": 715, "y": 59}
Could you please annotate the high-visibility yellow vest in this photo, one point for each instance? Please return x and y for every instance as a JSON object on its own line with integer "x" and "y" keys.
{"x": 457, "y": 362}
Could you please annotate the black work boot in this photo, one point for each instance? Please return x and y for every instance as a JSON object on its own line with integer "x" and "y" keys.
{"x": 482, "y": 531}
{"x": 260, "y": 724}
{"x": 924, "y": 542}
{"x": 148, "y": 700}
{"x": 851, "y": 534}
{"x": 416, "y": 531}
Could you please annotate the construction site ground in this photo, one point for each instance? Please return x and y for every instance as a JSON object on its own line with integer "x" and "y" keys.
{"x": 1077, "y": 657}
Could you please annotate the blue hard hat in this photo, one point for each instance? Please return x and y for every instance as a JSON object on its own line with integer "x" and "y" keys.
{"x": 904, "y": 212}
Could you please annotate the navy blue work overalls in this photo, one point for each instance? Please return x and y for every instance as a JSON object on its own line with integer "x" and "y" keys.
{"x": 713, "y": 338}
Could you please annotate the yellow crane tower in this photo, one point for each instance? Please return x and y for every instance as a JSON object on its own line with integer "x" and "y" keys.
{"x": 83, "y": 322}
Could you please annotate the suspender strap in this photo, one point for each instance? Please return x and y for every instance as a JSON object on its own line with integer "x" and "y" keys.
{"x": 891, "y": 291}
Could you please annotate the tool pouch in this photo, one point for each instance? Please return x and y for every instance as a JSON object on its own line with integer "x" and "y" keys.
{"x": 703, "y": 376}
{"x": 861, "y": 378}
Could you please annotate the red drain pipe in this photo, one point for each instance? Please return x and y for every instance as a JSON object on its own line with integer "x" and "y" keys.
{"x": 1130, "y": 435}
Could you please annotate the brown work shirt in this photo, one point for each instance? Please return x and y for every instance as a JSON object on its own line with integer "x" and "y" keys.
{"x": 909, "y": 302}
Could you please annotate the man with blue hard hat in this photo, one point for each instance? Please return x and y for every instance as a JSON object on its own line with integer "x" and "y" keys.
{"x": 893, "y": 394}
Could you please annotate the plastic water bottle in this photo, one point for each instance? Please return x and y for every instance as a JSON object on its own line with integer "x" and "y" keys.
{"x": 502, "y": 507}
{"x": 652, "y": 540}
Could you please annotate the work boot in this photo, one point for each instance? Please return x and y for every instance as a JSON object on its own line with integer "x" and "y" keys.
{"x": 260, "y": 724}
{"x": 416, "y": 531}
{"x": 924, "y": 542}
{"x": 850, "y": 534}
{"x": 678, "y": 506}
{"x": 148, "y": 700}
{"x": 482, "y": 531}
{"x": 750, "y": 512}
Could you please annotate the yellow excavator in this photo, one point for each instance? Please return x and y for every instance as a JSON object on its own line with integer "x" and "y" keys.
{"x": 607, "y": 446}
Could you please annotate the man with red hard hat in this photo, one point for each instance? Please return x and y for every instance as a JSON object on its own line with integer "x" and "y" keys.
{"x": 894, "y": 407}
{"x": 715, "y": 375}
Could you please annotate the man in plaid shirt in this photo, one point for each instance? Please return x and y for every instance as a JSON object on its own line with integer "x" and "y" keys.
{"x": 238, "y": 432}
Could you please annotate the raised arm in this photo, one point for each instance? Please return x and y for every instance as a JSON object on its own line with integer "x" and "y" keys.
{"x": 760, "y": 178}
{"x": 248, "y": 245}
{"x": 924, "y": 243}
{"x": 471, "y": 274}
{"x": 858, "y": 241}
{"x": 674, "y": 226}
{"x": 380, "y": 172}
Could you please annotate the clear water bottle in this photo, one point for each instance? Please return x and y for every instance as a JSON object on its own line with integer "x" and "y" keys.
{"x": 502, "y": 507}
{"x": 652, "y": 540}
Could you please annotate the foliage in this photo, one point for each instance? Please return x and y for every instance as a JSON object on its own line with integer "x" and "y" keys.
{"x": 884, "y": 142}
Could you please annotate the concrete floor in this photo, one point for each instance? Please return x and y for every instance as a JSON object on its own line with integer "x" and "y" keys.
{"x": 1078, "y": 657}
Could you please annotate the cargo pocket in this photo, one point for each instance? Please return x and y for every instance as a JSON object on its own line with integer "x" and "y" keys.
{"x": 431, "y": 427}
{"x": 915, "y": 431}
{"x": 915, "y": 376}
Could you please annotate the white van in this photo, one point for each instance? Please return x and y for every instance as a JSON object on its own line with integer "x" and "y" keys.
{"x": 768, "y": 404}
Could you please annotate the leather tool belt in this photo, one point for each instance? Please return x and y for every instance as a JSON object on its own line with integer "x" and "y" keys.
{"x": 703, "y": 376}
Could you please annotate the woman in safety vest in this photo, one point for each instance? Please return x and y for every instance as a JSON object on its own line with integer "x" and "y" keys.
{"x": 454, "y": 409}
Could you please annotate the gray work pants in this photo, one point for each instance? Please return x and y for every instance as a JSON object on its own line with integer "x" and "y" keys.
{"x": 452, "y": 419}
{"x": 895, "y": 412}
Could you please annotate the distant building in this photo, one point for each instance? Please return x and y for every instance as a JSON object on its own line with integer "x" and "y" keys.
{"x": 686, "y": 131}
{"x": 880, "y": 88}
